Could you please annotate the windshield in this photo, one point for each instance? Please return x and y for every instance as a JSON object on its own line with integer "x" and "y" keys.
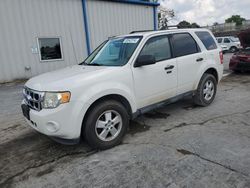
{"x": 114, "y": 52}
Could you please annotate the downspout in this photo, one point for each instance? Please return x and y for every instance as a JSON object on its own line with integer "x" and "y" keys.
{"x": 86, "y": 28}
{"x": 155, "y": 18}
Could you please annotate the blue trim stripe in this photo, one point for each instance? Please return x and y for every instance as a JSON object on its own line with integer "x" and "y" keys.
{"x": 155, "y": 18}
{"x": 86, "y": 27}
{"x": 137, "y": 2}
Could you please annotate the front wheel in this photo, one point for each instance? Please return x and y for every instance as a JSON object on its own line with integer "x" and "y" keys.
{"x": 206, "y": 90}
{"x": 106, "y": 124}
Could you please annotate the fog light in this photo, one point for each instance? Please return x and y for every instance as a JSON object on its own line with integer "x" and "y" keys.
{"x": 52, "y": 126}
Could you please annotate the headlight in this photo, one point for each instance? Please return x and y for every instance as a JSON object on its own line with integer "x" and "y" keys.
{"x": 53, "y": 100}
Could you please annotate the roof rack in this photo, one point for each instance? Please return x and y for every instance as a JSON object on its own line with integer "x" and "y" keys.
{"x": 171, "y": 26}
{"x": 140, "y": 31}
{"x": 144, "y": 31}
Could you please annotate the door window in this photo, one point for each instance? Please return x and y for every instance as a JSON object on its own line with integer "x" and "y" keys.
{"x": 184, "y": 44}
{"x": 219, "y": 40}
{"x": 226, "y": 40}
{"x": 158, "y": 47}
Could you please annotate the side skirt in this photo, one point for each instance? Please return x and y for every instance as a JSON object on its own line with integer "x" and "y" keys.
{"x": 160, "y": 104}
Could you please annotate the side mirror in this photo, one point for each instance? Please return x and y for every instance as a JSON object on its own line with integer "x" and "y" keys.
{"x": 144, "y": 60}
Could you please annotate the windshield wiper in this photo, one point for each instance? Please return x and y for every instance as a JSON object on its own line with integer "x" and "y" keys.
{"x": 82, "y": 63}
{"x": 90, "y": 64}
{"x": 94, "y": 64}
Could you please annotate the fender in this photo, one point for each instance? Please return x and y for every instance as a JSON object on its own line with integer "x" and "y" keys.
{"x": 101, "y": 90}
{"x": 202, "y": 70}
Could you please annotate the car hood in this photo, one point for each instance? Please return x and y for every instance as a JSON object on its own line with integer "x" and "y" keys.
{"x": 244, "y": 37}
{"x": 64, "y": 79}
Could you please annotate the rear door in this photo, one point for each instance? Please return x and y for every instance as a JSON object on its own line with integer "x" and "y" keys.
{"x": 213, "y": 52}
{"x": 189, "y": 60}
{"x": 156, "y": 82}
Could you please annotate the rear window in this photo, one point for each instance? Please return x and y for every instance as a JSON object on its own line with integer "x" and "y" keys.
{"x": 206, "y": 39}
{"x": 184, "y": 44}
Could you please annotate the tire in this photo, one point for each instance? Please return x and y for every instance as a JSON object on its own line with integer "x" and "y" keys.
{"x": 233, "y": 49}
{"x": 201, "y": 96}
{"x": 101, "y": 124}
{"x": 237, "y": 71}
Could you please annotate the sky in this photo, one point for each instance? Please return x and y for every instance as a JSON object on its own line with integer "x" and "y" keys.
{"x": 206, "y": 12}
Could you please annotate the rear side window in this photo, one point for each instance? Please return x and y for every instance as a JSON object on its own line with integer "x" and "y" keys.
{"x": 158, "y": 47}
{"x": 219, "y": 40}
{"x": 206, "y": 39}
{"x": 184, "y": 44}
{"x": 226, "y": 40}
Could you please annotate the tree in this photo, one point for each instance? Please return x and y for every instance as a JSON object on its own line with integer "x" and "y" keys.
{"x": 215, "y": 23}
{"x": 195, "y": 25}
{"x": 235, "y": 19}
{"x": 185, "y": 24}
{"x": 164, "y": 16}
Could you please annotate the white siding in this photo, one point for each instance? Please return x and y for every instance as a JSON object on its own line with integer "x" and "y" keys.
{"x": 107, "y": 19}
{"x": 22, "y": 21}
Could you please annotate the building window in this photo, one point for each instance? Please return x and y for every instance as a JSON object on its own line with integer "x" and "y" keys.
{"x": 50, "y": 49}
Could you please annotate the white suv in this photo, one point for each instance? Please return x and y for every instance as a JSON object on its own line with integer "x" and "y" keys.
{"x": 229, "y": 43}
{"x": 123, "y": 78}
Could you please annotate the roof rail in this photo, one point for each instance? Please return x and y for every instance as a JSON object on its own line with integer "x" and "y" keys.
{"x": 143, "y": 31}
{"x": 140, "y": 31}
{"x": 172, "y": 26}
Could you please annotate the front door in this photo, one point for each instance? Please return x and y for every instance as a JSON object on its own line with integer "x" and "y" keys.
{"x": 157, "y": 82}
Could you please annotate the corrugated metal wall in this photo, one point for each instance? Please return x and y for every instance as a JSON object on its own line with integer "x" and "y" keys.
{"x": 107, "y": 19}
{"x": 22, "y": 21}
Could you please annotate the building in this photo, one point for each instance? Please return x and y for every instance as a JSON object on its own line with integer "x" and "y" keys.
{"x": 229, "y": 29}
{"x": 38, "y": 36}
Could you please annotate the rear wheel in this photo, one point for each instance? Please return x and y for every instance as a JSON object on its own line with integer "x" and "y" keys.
{"x": 106, "y": 124}
{"x": 206, "y": 91}
{"x": 233, "y": 49}
{"x": 237, "y": 71}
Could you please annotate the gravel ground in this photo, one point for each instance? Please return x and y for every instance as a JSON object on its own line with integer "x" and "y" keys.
{"x": 180, "y": 145}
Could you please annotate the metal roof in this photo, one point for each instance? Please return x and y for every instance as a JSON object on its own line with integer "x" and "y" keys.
{"x": 138, "y": 2}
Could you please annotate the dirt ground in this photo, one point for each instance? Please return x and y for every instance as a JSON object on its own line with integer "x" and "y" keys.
{"x": 180, "y": 145}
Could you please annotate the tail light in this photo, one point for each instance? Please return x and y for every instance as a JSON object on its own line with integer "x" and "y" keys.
{"x": 221, "y": 57}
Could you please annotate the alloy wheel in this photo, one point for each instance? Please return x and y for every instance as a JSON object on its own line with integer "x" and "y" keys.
{"x": 208, "y": 90}
{"x": 108, "y": 125}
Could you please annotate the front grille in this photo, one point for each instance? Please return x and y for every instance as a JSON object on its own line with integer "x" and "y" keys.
{"x": 33, "y": 98}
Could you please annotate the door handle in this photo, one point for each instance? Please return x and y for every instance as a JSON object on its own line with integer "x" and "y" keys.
{"x": 199, "y": 59}
{"x": 169, "y": 67}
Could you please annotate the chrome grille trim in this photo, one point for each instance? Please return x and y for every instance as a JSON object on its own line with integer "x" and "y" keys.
{"x": 33, "y": 98}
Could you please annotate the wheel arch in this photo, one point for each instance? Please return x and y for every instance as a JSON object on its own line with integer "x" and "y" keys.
{"x": 214, "y": 72}
{"x": 116, "y": 97}
{"x": 210, "y": 70}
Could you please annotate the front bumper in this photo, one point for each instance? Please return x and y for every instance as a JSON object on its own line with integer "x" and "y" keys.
{"x": 62, "y": 123}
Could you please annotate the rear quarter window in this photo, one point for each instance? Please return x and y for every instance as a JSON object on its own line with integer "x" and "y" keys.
{"x": 207, "y": 40}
